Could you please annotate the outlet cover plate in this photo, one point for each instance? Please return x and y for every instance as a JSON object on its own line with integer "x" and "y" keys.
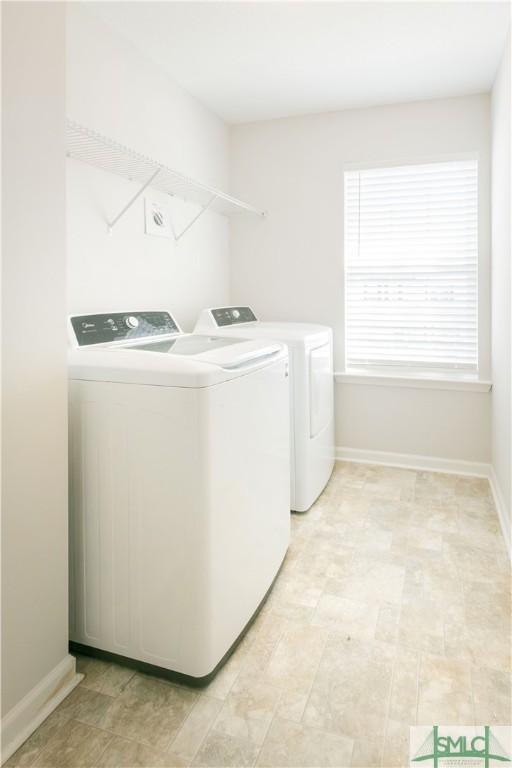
{"x": 157, "y": 218}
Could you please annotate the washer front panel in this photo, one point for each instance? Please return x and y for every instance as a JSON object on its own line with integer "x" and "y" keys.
{"x": 121, "y": 326}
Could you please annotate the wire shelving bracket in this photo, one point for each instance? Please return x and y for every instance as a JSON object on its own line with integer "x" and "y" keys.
{"x": 130, "y": 202}
{"x": 193, "y": 221}
{"x": 95, "y": 149}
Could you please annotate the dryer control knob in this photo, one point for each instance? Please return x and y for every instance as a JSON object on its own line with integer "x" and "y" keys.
{"x": 132, "y": 321}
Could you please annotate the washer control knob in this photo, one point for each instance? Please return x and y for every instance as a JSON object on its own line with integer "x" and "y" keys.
{"x": 236, "y": 314}
{"x": 132, "y": 321}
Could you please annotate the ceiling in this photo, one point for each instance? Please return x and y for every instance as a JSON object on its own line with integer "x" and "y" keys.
{"x": 250, "y": 61}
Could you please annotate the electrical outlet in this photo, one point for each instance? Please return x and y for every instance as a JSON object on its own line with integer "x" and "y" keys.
{"x": 158, "y": 218}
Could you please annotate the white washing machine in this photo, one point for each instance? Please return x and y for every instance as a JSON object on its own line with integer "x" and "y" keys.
{"x": 179, "y": 489}
{"x": 311, "y": 392}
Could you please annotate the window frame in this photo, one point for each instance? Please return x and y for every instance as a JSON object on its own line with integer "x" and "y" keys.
{"x": 429, "y": 377}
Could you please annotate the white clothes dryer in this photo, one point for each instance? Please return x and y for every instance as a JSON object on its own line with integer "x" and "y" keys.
{"x": 311, "y": 392}
{"x": 179, "y": 500}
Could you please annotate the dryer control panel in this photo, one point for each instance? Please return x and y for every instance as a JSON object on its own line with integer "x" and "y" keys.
{"x": 233, "y": 315}
{"x": 121, "y": 326}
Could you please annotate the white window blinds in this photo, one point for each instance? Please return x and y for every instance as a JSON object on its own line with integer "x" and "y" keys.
{"x": 411, "y": 266}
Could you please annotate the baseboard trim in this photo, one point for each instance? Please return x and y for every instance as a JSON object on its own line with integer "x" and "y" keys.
{"x": 414, "y": 461}
{"x": 23, "y": 719}
{"x": 501, "y": 509}
{"x": 436, "y": 464}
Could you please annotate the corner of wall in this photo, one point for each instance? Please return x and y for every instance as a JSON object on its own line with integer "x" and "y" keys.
{"x": 501, "y": 291}
{"x": 28, "y": 714}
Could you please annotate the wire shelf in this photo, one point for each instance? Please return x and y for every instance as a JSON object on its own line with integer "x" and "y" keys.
{"x": 91, "y": 147}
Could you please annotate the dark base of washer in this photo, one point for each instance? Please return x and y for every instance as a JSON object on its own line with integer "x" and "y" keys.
{"x": 169, "y": 674}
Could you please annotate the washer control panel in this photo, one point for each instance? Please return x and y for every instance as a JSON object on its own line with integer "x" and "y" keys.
{"x": 121, "y": 326}
{"x": 233, "y": 315}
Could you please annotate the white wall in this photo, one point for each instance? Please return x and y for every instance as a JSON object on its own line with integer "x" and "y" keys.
{"x": 119, "y": 92}
{"x": 34, "y": 391}
{"x": 501, "y": 277}
{"x": 290, "y": 266}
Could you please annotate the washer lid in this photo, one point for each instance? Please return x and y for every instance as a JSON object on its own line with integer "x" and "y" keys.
{"x": 187, "y": 360}
{"x": 184, "y": 344}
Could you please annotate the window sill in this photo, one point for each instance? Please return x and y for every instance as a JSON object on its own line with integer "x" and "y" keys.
{"x": 463, "y": 383}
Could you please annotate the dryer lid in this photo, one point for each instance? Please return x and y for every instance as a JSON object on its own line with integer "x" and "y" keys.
{"x": 236, "y": 321}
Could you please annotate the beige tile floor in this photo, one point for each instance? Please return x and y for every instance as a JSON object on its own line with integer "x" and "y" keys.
{"x": 392, "y": 609}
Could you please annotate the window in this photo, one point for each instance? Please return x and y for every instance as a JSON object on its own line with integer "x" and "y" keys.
{"x": 411, "y": 267}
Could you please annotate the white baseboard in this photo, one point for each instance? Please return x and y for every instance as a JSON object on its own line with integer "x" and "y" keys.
{"x": 501, "y": 509}
{"x": 414, "y": 461}
{"x": 436, "y": 464}
{"x": 23, "y": 719}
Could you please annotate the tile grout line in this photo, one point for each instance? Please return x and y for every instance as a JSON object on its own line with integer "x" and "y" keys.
{"x": 282, "y": 692}
{"x": 224, "y": 701}
{"x": 314, "y": 677}
{"x": 420, "y": 667}
{"x": 107, "y": 745}
{"x": 212, "y": 725}
{"x": 471, "y": 676}
{"x": 386, "y": 724}
{"x": 188, "y": 716}
{"x": 114, "y": 734}
{"x": 78, "y": 722}
{"x": 397, "y": 639}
